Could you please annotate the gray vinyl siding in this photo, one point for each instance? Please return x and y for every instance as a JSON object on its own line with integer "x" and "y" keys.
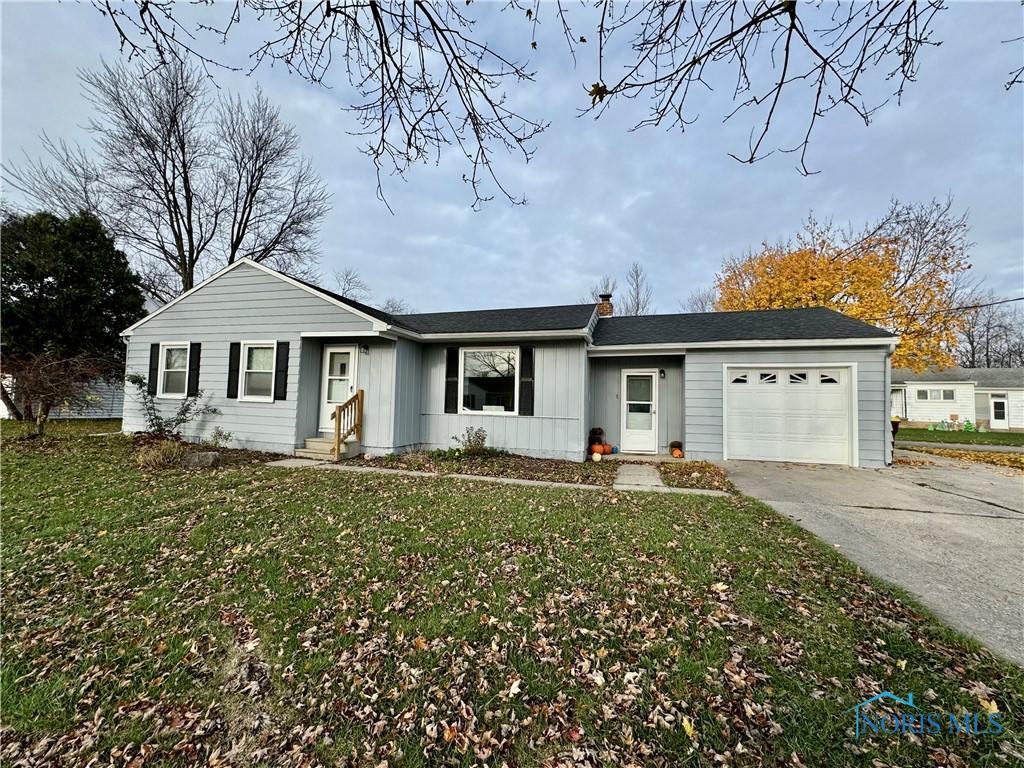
{"x": 408, "y": 375}
{"x": 375, "y": 375}
{"x": 703, "y": 394}
{"x": 556, "y": 430}
{"x": 245, "y": 304}
{"x": 605, "y": 404}
{"x": 887, "y": 389}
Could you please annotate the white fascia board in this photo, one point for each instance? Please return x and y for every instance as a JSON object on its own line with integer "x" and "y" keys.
{"x": 618, "y": 349}
{"x": 377, "y": 324}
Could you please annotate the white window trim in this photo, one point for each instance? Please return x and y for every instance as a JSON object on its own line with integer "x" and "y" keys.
{"x": 242, "y": 397}
{"x": 462, "y": 379}
{"x": 160, "y": 370}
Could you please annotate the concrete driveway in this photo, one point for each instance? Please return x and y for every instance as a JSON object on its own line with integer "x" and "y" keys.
{"x": 952, "y": 534}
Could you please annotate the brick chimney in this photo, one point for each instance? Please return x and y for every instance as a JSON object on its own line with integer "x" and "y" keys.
{"x": 605, "y": 308}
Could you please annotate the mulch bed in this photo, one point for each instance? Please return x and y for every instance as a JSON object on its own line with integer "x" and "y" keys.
{"x": 496, "y": 464}
{"x": 696, "y": 474}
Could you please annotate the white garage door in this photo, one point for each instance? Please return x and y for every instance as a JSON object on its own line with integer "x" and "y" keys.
{"x": 788, "y": 414}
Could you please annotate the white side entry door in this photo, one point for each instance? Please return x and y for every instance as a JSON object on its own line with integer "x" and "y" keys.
{"x": 338, "y": 382}
{"x": 639, "y": 411}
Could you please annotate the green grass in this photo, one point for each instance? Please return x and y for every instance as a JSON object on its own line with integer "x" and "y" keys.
{"x": 967, "y": 438}
{"x": 354, "y": 619}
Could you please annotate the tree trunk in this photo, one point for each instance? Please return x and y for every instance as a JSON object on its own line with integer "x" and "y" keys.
{"x": 42, "y": 416}
{"x": 9, "y": 404}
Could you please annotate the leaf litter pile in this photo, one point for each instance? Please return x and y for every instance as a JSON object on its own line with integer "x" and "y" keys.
{"x": 996, "y": 458}
{"x": 497, "y": 464}
{"x": 695, "y": 474}
{"x": 249, "y": 615}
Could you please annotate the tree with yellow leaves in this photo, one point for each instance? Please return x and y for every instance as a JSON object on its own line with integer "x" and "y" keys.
{"x": 904, "y": 274}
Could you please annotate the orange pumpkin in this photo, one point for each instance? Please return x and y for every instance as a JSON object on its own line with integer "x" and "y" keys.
{"x": 606, "y": 449}
{"x": 677, "y": 453}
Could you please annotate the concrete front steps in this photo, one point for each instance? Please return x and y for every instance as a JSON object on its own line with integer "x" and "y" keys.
{"x": 319, "y": 448}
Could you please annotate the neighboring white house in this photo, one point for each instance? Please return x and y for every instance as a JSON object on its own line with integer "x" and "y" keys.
{"x": 988, "y": 397}
{"x": 104, "y": 400}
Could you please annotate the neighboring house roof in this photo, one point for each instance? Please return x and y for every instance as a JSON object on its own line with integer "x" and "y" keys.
{"x": 983, "y": 378}
{"x": 751, "y": 325}
{"x": 557, "y": 318}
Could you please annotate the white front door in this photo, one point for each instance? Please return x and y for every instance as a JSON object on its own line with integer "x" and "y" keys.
{"x": 339, "y": 381}
{"x": 998, "y": 418}
{"x": 639, "y": 411}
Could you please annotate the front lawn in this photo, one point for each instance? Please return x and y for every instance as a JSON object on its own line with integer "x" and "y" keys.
{"x": 251, "y": 615}
{"x": 969, "y": 438}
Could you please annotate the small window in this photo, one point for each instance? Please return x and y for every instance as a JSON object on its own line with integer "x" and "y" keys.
{"x": 768, "y": 378}
{"x": 489, "y": 379}
{"x": 827, "y": 378}
{"x": 740, "y": 379}
{"x": 934, "y": 394}
{"x": 922, "y": 394}
{"x": 948, "y": 394}
{"x": 798, "y": 378}
{"x": 173, "y": 376}
{"x": 257, "y": 373}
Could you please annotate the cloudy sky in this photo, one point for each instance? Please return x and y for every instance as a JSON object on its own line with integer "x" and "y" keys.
{"x": 599, "y": 195}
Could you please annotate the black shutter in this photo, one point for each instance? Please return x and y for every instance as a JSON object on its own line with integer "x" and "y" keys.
{"x": 154, "y": 368}
{"x": 281, "y": 371}
{"x": 451, "y": 380}
{"x": 234, "y": 356}
{"x": 526, "y": 381}
{"x": 193, "y": 370}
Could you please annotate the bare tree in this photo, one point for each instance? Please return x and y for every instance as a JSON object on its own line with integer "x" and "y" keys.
{"x": 424, "y": 79}
{"x": 395, "y": 306}
{"x": 183, "y": 181}
{"x": 992, "y": 335}
{"x": 607, "y": 284}
{"x": 637, "y": 299}
{"x": 351, "y": 284}
{"x": 700, "y": 300}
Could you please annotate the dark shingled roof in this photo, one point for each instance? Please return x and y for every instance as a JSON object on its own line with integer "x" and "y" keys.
{"x": 753, "y": 325}
{"x": 525, "y": 319}
{"x": 986, "y": 378}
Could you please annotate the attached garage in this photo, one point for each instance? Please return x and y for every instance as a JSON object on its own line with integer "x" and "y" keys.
{"x": 801, "y": 414}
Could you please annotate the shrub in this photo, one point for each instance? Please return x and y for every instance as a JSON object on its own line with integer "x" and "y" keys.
{"x": 160, "y": 455}
{"x": 473, "y": 441}
{"x": 219, "y": 438}
{"x": 188, "y": 410}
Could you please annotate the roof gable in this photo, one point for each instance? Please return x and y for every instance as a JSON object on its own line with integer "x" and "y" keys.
{"x": 227, "y": 283}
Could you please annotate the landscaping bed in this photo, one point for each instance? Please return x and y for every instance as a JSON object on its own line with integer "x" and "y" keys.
{"x": 253, "y": 615}
{"x": 971, "y": 438}
{"x": 695, "y": 474}
{"x": 1011, "y": 460}
{"x": 492, "y": 463}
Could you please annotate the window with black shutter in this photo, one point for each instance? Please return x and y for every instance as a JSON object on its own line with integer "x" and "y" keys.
{"x": 234, "y": 356}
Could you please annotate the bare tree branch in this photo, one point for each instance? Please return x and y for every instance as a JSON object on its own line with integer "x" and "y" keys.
{"x": 183, "y": 181}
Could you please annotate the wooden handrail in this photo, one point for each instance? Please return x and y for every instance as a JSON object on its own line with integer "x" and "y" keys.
{"x": 348, "y": 418}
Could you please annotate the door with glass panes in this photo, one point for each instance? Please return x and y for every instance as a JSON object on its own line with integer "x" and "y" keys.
{"x": 639, "y": 401}
{"x": 339, "y": 381}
